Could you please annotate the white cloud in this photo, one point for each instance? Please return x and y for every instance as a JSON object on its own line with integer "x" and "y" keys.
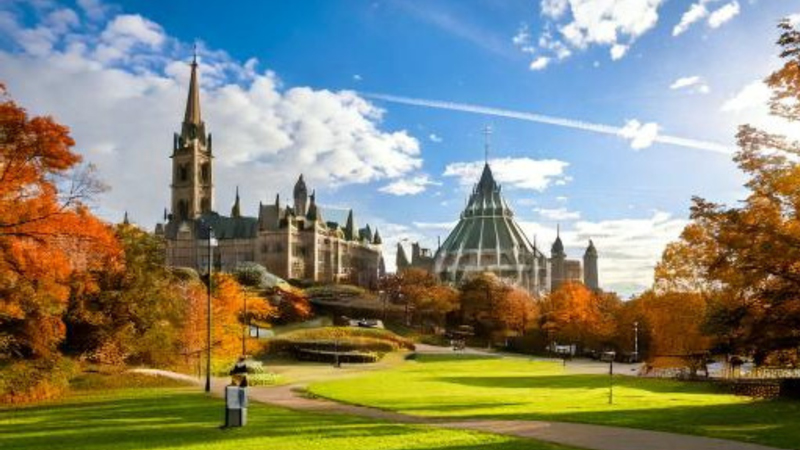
{"x": 521, "y": 173}
{"x": 539, "y": 63}
{"x": 628, "y": 248}
{"x": 723, "y": 14}
{"x": 442, "y": 226}
{"x": 794, "y": 19}
{"x": 695, "y": 13}
{"x": 618, "y": 51}
{"x": 558, "y": 214}
{"x": 408, "y": 186}
{"x": 751, "y": 105}
{"x": 641, "y": 135}
{"x": 546, "y": 119}
{"x": 523, "y": 36}
{"x": 435, "y": 138}
{"x": 357, "y": 77}
{"x": 554, "y": 9}
{"x": 700, "y": 10}
{"x": 754, "y": 95}
{"x": 693, "y": 83}
{"x": 122, "y": 91}
{"x": 616, "y": 24}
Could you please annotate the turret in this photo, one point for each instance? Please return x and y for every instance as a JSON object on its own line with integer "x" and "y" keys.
{"x": 401, "y": 259}
{"x": 590, "y": 272}
{"x": 313, "y": 214}
{"x": 300, "y": 197}
{"x": 557, "y": 257}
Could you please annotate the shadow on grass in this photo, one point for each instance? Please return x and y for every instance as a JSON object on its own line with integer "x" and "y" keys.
{"x": 451, "y": 357}
{"x": 767, "y": 422}
{"x": 582, "y": 382}
{"x": 183, "y": 418}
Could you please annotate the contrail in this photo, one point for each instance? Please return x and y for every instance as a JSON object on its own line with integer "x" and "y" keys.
{"x": 550, "y": 120}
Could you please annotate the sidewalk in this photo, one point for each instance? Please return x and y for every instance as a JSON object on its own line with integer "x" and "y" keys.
{"x": 594, "y": 437}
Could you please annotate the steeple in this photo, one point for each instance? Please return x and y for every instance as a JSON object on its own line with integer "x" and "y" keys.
{"x": 487, "y": 185}
{"x": 125, "y": 220}
{"x": 192, "y": 169}
{"x": 377, "y": 240}
{"x": 313, "y": 212}
{"x": 236, "y": 211}
{"x": 557, "y": 250}
{"x": 300, "y": 197}
{"x": 401, "y": 259}
{"x": 193, "y": 101}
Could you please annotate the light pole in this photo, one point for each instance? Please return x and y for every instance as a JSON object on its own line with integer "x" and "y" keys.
{"x": 211, "y": 242}
{"x": 636, "y": 341}
{"x": 611, "y": 380}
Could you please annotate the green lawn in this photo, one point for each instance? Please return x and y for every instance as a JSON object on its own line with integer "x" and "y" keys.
{"x": 467, "y": 387}
{"x": 176, "y": 417}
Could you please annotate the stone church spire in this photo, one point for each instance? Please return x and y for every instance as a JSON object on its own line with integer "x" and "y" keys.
{"x": 193, "y": 101}
{"x": 192, "y": 171}
{"x": 236, "y": 210}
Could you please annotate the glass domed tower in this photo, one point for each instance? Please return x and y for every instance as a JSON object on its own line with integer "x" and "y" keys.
{"x": 488, "y": 239}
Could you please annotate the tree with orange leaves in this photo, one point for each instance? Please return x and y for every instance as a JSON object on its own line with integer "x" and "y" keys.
{"x": 47, "y": 234}
{"x": 574, "y": 314}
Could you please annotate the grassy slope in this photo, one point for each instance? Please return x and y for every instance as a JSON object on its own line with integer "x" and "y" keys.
{"x": 521, "y": 389}
{"x": 173, "y": 417}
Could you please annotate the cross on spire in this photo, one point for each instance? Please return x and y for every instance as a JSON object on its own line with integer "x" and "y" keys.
{"x": 487, "y": 131}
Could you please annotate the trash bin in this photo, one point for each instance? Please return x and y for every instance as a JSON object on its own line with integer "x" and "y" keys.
{"x": 235, "y": 406}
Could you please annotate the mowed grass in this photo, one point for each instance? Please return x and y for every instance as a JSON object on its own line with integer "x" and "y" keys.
{"x": 516, "y": 388}
{"x": 176, "y": 417}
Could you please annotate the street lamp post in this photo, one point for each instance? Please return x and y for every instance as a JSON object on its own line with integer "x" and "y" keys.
{"x": 636, "y": 341}
{"x": 611, "y": 380}
{"x": 211, "y": 243}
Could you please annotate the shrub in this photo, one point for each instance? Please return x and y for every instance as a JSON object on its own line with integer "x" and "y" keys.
{"x": 125, "y": 380}
{"x": 263, "y": 379}
{"x": 352, "y": 344}
{"x": 36, "y": 380}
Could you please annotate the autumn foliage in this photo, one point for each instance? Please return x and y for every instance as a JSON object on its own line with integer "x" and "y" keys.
{"x": 47, "y": 234}
{"x": 743, "y": 261}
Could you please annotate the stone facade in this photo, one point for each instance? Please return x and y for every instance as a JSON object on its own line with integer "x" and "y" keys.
{"x": 293, "y": 242}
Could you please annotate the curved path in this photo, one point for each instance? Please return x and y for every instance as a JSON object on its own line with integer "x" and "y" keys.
{"x": 595, "y": 437}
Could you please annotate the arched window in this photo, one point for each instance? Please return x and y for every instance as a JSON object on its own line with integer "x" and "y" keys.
{"x": 205, "y": 173}
{"x": 183, "y": 209}
{"x": 183, "y": 172}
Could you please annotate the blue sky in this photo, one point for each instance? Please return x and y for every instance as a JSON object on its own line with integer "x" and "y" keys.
{"x": 313, "y": 87}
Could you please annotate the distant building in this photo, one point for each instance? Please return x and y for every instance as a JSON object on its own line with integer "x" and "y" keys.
{"x": 487, "y": 238}
{"x": 293, "y": 242}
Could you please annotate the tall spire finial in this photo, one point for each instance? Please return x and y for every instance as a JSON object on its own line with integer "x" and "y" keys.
{"x": 558, "y": 230}
{"x": 236, "y": 210}
{"x": 192, "y": 115}
{"x": 194, "y": 54}
{"x": 487, "y": 131}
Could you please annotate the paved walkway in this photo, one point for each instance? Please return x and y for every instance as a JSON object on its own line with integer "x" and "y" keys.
{"x": 594, "y": 437}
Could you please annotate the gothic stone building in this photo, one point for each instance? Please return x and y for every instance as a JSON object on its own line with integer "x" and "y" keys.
{"x": 293, "y": 242}
{"x": 487, "y": 238}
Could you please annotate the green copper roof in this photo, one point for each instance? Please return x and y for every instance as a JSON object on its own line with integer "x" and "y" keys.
{"x": 486, "y": 236}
